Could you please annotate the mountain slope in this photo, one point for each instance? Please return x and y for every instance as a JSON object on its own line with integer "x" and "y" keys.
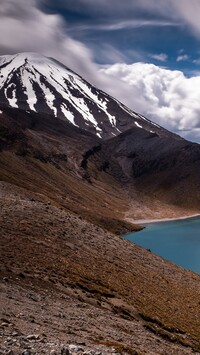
{"x": 48, "y": 157}
{"x": 64, "y": 278}
{"x": 136, "y": 174}
{"x": 50, "y": 112}
{"x": 32, "y": 82}
{"x": 67, "y": 281}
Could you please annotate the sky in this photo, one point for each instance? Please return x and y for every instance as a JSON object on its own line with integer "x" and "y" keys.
{"x": 145, "y": 53}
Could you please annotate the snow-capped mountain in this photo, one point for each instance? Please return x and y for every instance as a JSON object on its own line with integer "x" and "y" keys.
{"x": 51, "y": 122}
{"x": 30, "y": 81}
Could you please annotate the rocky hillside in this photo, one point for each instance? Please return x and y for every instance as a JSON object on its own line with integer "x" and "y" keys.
{"x": 67, "y": 282}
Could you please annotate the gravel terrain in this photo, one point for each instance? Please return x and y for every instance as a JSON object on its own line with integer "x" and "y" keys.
{"x": 69, "y": 287}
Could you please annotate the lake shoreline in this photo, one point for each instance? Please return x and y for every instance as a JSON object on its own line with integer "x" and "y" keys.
{"x": 147, "y": 221}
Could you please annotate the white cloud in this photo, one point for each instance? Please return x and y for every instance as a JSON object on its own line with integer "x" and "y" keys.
{"x": 109, "y": 54}
{"x": 189, "y": 11}
{"x": 182, "y": 58}
{"x": 196, "y": 61}
{"x": 23, "y": 27}
{"x": 165, "y": 96}
{"x": 125, "y": 24}
{"x": 162, "y": 57}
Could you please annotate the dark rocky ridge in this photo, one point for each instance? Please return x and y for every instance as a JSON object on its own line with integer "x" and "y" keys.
{"x": 166, "y": 167}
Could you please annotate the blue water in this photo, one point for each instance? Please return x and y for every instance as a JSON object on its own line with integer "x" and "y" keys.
{"x": 177, "y": 241}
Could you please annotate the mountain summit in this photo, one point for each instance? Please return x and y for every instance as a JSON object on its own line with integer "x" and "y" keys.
{"x": 33, "y": 82}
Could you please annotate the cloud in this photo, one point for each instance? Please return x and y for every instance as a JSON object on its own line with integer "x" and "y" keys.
{"x": 182, "y": 58}
{"x": 165, "y": 96}
{"x": 169, "y": 12}
{"x": 162, "y": 57}
{"x": 196, "y": 61}
{"x": 189, "y": 12}
{"x": 120, "y": 25}
{"x": 112, "y": 15}
{"x": 24, "y": 27}
{"x": 109, "y": 54}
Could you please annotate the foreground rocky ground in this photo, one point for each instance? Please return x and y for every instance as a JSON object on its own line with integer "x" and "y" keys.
{"x": 68, "y": 286}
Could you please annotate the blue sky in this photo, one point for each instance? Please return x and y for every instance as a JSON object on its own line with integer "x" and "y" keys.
{"x": 146, "y": 53}
{"x": 130, "y": 32}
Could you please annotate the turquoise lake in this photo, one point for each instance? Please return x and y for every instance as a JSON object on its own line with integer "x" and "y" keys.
{"x": 177, "y": 241}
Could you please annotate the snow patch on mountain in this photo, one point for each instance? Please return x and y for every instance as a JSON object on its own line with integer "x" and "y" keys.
{"x": 10, "y": 93}
{"x": 69, "y": 115}
{"x": 32, "y": 98}
{"x": 138, "y": 125}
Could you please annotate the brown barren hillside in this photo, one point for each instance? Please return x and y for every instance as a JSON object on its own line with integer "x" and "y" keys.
{"x": 67, "y": 281}
{"x": 65, "y": 277}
